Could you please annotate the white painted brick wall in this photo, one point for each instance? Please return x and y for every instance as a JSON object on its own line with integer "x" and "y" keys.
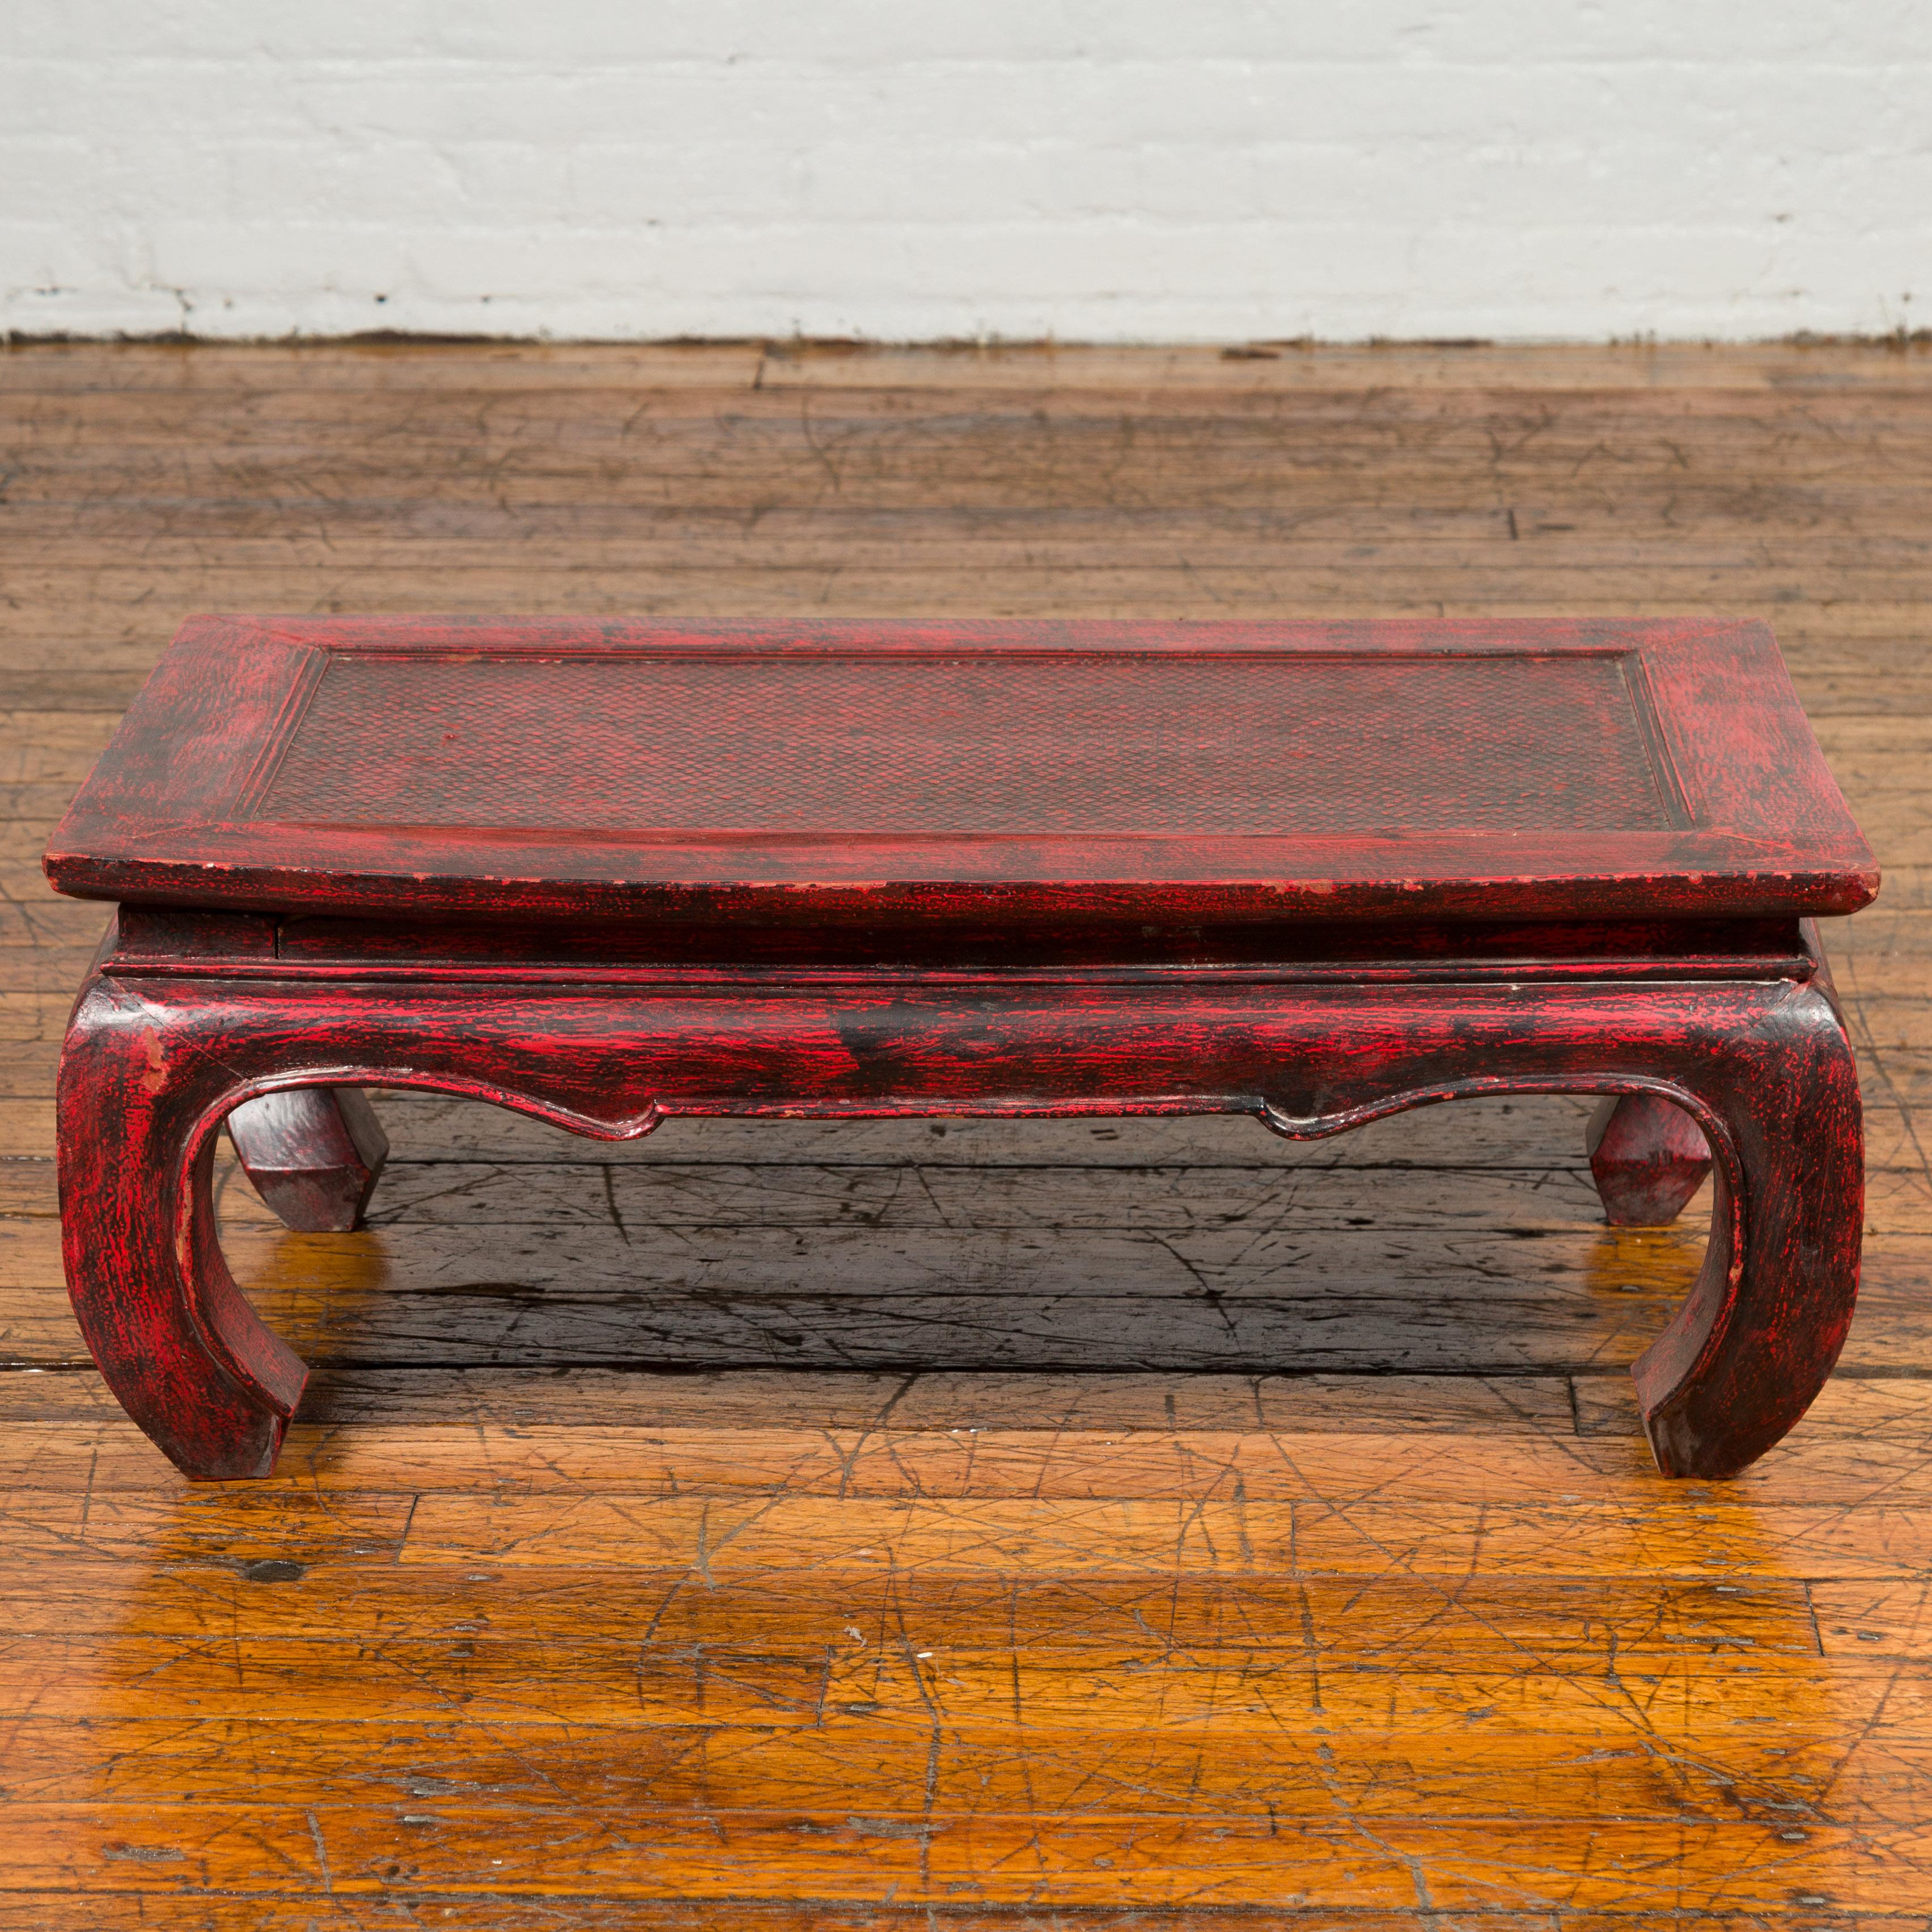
{"x": 1092, "y": 169}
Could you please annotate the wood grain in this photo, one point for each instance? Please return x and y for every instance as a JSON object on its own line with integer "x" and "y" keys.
{"x": 1374, "y": 1644}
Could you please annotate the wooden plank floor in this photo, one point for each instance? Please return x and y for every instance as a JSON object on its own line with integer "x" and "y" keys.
{"x": 967, "y": 1526}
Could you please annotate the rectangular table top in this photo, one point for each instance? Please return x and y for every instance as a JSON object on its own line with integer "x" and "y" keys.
{"x": 571, "y": 768}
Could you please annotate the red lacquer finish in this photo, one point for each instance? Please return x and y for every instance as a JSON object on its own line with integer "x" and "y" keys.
{"x": 974, "y": 968}
{"x": 1177, "y": 772}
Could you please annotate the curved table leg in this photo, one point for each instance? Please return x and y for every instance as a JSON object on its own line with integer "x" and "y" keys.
{"x": 1764, "y": 1073}
{"x": 174, "y": 1337}
{"x": 314, "y": 1154}
{"x": 1761, "y": 1328}
{"x": 1648, "y": 1157}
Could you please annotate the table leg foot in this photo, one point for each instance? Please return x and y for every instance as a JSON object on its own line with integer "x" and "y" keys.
{"x": 1761, "y": 1330}
{"x": 174, "y": 1337}
{"x": 1648, "y": 1157}
{"x": 314, "y": 1154}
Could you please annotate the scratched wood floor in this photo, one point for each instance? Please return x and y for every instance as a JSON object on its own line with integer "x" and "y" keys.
{"x": 969, "y": 1526}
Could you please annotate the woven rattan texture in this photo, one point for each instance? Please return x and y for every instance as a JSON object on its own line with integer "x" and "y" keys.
{"x": 1302, "y": 745}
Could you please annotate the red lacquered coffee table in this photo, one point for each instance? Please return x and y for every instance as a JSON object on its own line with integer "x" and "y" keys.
{"x": 605, "y": 872}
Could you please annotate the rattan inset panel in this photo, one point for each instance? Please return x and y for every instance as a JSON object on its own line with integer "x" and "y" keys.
{"x": 1108, "y": 743}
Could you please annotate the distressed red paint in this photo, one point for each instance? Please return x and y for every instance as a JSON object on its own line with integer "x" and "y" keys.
{"x": 1044, "y": 933}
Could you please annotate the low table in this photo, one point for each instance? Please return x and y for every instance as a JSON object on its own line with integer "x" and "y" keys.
{"x": 602, "y": 873}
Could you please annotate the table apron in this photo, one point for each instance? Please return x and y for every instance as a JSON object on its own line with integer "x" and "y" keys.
{"x": 1307, "y": 1058}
